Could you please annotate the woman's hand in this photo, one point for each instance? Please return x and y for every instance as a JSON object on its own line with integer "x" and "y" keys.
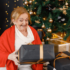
{"x": 13, "y": 57}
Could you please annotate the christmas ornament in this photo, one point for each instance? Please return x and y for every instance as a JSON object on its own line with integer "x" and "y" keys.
{"x": 44, "y": 18}
{"x": 30, "y": 1}
{"x": 47, "y": 39}
{"x": 31, "y": 12}
{"x": 26, "y": 2}
{"x": 63, "y": 19}
{"x": 43, "y": 26}
{"x": 35, "y": 2}
{"x": 64, "y": 12}
{"x": 34, "y": 13}
{"x": 64, "y": 8}
{"x": 49, "y": 30}
{"x": 66, "y": 3}
{"x": 50, "y": 20}
{"x": 37, "y": 21}
{"x": 59, "y": 17}
{"x": 64, "y": 24}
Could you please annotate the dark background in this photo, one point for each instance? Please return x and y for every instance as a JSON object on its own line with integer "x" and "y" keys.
{"x": 5, "y": 17}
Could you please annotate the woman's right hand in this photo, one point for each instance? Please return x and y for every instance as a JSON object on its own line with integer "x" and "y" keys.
{"x": 13, "y": 56}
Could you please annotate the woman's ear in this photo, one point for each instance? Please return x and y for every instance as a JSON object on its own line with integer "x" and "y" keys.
{"x": 13, "y": 21}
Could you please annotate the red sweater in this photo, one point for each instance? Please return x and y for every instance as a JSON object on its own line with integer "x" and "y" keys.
{"x": 7, "y": 42}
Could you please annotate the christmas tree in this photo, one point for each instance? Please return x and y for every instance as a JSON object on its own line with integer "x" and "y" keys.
{"x": 51, "y": 15}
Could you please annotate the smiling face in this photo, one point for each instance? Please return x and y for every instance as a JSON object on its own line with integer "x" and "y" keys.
{"x": 22, "y": 22}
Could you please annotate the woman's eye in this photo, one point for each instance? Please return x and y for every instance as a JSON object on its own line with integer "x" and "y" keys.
{"x": 21, "y": 20}
{"x": 26, "y": 20}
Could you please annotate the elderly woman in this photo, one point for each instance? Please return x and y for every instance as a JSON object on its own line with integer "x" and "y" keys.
{"x": 12, "y": 38}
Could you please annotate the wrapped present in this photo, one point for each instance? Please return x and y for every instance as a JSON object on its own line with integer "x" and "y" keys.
{"x": 35, "y": 53}
{"x": 60, "y": 63}
{"x": 59, "y": 44}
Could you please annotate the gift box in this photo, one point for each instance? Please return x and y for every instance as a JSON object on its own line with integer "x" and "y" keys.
{"x": 35, "y": 53}
{"x": 60, "y": 64}
{"x": 60, "y": 45}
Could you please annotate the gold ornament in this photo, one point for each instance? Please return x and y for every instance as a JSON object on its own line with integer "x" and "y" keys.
{"x": 44, "y": 18}
{"x": 49, "y": 30}
{"x": 66, "y": 3}
{"x": 26, "y": 2}
{"x": 34, "y": 13}
{"x": 64, "y": 12}
{"x": 37, "y": 21}
{"x": 47, "y": 39}
{"x": 43, "y": 26}
{"x": 64, "y": 24}
{"x": 31, "y": 12}
{"x": 35, "y": 2}
{"x": 50, "y": 20}
{"x": 30, "y": 1}
{"x": 64, "y": 8}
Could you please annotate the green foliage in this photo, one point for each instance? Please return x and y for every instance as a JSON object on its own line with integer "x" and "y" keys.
{"x": 50, "y": 9}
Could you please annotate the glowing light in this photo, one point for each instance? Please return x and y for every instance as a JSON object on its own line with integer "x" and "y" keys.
{"x": 6, "y": 25}
{"x": 7, "y": 20}
{"x": 0, "y": 28}
{"x": 8, "y": 6}
{"x": 6, "y": 3}
{"x": 5, "y": 11}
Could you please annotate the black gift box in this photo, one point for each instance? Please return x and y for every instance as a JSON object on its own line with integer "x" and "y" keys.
{"x": 35, "y": 53}
{"x": 60, "y": 64}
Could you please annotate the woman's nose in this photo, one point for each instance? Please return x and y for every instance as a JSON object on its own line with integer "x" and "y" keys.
{"x": 24, "y": 22}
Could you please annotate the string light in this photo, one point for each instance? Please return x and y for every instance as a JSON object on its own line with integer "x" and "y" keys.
{"x": 0, "y": 28}
{"x": 5, "y": 11}
{"x": 17, "y": 0}
{"x": 8, "y": 6}
{"x": 6, "y": 3}
{"x": 14, "y": 0}
{"x": 7, "y": 20}
{"x": 6, "y": 25}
